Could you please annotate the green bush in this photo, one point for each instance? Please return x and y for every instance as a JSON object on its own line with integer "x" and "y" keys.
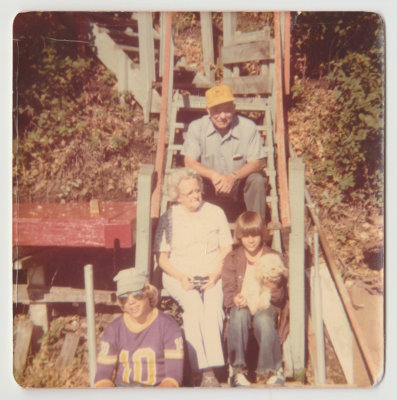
{"x": 345, "y": 139}
{"x": 355, "y": 142}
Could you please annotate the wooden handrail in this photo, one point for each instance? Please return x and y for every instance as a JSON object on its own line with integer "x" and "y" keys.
{"x": 287, "y": 52}
{"x": 341, "y": 289}
{"x": 344, "y": 295}
{"x": 160, "y": 154}
{"x": 280, "y": 126}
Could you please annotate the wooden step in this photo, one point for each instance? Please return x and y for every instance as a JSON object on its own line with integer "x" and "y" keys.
{"x": 61, "y": 294}
{"x": 132, "y": 49}
{"x": 242, "y": 103}
{"x": 261, "y": 84}
{"x": 239, "y": 53}
{"x": 108, "y": 19}
{"x": 256, "y": 36}
{"x": 174, "y": 147}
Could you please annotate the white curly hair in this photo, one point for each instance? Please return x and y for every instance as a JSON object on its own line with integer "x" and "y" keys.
{"x": 176, "y": 177}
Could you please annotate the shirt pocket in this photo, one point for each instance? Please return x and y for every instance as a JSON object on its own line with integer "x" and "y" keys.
{"x": 238, "y": 160}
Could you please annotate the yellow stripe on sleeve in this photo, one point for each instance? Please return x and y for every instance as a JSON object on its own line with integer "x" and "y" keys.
{"x": 107, "y": 360}
{"x": 173, "y": 354}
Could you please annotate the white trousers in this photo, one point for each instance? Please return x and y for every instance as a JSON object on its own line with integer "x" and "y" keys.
{"x": 203, "y": 322}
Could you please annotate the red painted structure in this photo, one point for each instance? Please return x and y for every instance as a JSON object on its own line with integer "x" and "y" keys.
{"x": 72, "y": 225}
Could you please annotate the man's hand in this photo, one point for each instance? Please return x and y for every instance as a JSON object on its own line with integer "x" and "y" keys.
{"x": 224, "y": 184}
{"x": 215, "y": 178}
{"x": 240, "y": 301}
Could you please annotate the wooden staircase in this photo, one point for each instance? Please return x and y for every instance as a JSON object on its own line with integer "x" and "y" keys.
{"x": 130, "y": 48}
{"x": 254, "y": 94}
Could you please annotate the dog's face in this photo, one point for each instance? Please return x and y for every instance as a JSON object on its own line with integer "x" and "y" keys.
{"x": 271, "y": 267}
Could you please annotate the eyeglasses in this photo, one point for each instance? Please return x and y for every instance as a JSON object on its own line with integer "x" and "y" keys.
{"x": 137, "y": 295}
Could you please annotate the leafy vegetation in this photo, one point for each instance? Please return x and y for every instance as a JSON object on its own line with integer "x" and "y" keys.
{"x": 74, "y": 135}
{"x": 336, "y": 123}
{"x": 347, "y": 158}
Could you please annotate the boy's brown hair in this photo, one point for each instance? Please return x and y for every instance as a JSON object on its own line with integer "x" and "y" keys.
{"x": 250, "y": 223}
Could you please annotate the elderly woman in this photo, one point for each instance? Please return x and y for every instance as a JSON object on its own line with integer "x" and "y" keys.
{"x": 191, "y": 242}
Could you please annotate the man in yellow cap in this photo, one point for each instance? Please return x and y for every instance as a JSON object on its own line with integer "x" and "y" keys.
{"x": 227, "y": 151}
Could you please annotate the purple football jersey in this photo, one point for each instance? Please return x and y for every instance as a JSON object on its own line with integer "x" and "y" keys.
{"x": 144, "y": 356}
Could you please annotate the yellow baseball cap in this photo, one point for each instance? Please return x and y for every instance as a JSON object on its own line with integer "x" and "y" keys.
{"x": 218, "y": 95}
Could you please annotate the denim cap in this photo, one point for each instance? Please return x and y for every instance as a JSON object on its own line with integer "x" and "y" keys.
{"x": 130, "y": 280}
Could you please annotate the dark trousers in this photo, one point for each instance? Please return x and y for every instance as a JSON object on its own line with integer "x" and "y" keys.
{"x": 248, "y": 194}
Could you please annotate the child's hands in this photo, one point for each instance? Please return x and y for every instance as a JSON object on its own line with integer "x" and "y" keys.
{"x": 272, "y": 284}
{"x": 240, "y": 301}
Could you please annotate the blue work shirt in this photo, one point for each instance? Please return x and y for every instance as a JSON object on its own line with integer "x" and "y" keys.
{"x": 226, "y": 154}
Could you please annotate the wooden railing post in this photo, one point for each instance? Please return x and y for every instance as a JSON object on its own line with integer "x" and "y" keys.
{"x": 90, "y": 310}
{"x": 280, "y": 125}
{"x": 143, "y": 219}
{"x": 207, "y": 44}
{"x": 165, "y": 88}
{"x": 317, "y": 316}
{"x": 146, "y": 58}
{"x": 287, "y": 52}
{"x": 296, "y": 266}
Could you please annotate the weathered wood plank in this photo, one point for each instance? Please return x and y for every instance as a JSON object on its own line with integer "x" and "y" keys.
{"x": 336, "y": 322}
{"x": 229, "y": 27}
{"x": 247, "y": 52}
{"x": 316, "y": 313}
{"x": 256, "y": 36}
{"x": 311, "y": 346}
{"x": 242, "y": 103}
{"x": 23, "y": 337}
{"x": 207, "y": 44}
{"x": 202, "y": 81}
{"x": 166, "y": 95}
{"x": 144, "y": 226}
{"x": 90, "y": 313}
{"x": 129, "y": 48}
{"x": 296, "y": 265}
{"x": 38, "y": 313}
{"x": 69, "y": 347}
{"x": 249, "y": 84}
{"x": 280, "y": 127}
{"x": 146, "y": 59}
{"x": 60, "y": 294}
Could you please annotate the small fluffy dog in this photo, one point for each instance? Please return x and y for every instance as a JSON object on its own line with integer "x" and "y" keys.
{"x": 269, "y": 267}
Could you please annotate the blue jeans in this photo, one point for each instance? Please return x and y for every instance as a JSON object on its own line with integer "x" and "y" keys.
{"x": 264, "y": 329}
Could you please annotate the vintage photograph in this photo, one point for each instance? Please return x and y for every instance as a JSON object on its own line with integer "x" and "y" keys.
{"x": 198, "y": 199}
